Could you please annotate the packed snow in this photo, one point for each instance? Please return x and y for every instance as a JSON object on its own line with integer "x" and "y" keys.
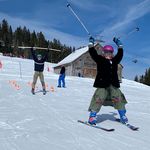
{"x": 49, "y": 122}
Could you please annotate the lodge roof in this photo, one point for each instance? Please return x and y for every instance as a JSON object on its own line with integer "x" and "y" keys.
{"x": 73, "y": 56}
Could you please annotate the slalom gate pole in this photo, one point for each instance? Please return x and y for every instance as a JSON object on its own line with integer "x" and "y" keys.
{"x": 70, "y": 8}
{"x": 20, "y": 69}
{"x": 27, "y": 47}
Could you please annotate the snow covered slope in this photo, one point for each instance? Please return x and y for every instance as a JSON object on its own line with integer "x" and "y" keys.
{"x": 49, "y": 122}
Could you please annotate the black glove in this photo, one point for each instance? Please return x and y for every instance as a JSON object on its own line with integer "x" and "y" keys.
{"x": 118, "y": 42}
{"x": 49, "y": 47}
{"x": 33, "y": 48}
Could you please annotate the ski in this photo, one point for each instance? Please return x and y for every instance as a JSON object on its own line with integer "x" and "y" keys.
{"x": 134, "y": 128}
{"x": 95, "y": 126}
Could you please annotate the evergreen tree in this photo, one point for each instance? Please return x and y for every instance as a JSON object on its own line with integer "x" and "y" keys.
{"x": 0, "y": 31}
{"x": 5, "y": 36}
{"x": 23, "y": 37}
{"x": 41, "y": 40}
{"x": 26, "y": 37}
{"x": 33, "y": 39}
{"x": 145, "y": 79}
{"x": 136, "y": 78}
{"x": 10, "y": 36}
{"x": 141, "y": 80}
{"x": 18, "y": 36}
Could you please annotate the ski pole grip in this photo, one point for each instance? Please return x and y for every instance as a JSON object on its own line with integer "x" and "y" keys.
{"x": 68, "y": 5}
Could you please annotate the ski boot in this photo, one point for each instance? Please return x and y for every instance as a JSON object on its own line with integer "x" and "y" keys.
{"x": 32, "y": 91}
{"x": 92, "y": 118}
{"x": 123, "y": 118}
{"x": 44, "y": 91}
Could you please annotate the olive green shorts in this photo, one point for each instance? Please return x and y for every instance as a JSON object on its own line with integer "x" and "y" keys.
{"x": 110, "y": 96}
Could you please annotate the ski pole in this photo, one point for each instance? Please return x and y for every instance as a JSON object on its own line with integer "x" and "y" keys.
{"x": 131, "y": 32}
{"x": 70, "y": 8}
{"x": 134, "y": 30}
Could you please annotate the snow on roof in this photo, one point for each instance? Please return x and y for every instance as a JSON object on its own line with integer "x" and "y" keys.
{"x": 73, "y": 56}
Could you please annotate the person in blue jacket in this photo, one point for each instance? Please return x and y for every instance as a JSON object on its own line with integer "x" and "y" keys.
{"x": 38, "y": 69}
{"x": 62, "y": 77}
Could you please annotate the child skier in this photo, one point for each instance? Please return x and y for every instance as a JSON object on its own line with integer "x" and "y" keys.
{"x": 38, "y": 68}
{"x": 106, "y": 81}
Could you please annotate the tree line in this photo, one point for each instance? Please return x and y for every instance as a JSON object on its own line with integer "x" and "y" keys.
{"x": 145, "y": 79}
{"x": 10, "y": 41}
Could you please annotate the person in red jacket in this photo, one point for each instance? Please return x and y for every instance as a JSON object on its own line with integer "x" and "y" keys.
{"x": 107, "y": 82}
{"x": 38, "y": 69}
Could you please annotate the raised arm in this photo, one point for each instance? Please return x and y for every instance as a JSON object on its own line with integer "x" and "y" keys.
{"x": 33, "y": 54}
{"x": 46, "y": 55}
{"x": 93, "y": 54}
{"x": 118, "y": 57}
{"x": 92, "y": 50}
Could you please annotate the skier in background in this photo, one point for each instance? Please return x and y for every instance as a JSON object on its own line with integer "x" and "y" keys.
{"x": 38, "y": 69}
{"x": 62, "y": 77}
{"x": 107, "y": 82}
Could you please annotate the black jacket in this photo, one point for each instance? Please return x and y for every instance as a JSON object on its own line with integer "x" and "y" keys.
{"x": 39, "y": 64}
{"x": 62, "y": 71}
{"x": 106, "y": 69}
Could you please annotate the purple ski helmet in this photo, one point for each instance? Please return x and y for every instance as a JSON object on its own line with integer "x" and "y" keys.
{"x": 108, "y": 48}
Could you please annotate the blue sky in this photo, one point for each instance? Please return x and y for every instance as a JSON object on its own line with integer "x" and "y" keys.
{"x": 106, "y": 18}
